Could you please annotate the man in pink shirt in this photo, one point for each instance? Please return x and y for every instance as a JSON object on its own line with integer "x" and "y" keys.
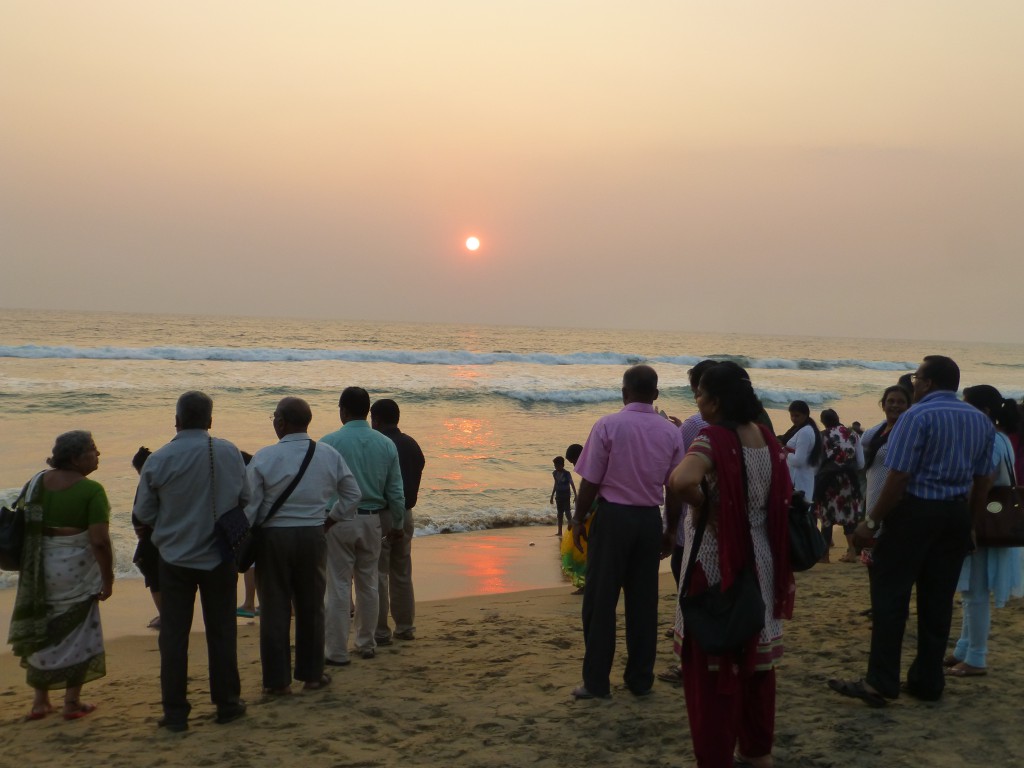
{"x": 625, "y": 466}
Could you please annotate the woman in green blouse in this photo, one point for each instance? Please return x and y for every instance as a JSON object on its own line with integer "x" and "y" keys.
{"x": 66, "y": 568}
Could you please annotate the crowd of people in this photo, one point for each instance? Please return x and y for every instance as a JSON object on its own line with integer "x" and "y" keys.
{"x": 713, "y": 491}
{"x": 326, "y": 516}
{"x": 907, "y": 494}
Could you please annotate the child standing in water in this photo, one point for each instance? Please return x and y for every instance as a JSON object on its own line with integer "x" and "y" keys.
{"x": 560, "y": 493}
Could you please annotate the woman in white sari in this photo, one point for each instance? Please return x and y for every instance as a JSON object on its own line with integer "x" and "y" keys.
{"x": 66, "y": 567}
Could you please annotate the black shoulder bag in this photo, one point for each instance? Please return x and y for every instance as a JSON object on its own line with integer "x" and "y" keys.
{"x": 247, "y": 551}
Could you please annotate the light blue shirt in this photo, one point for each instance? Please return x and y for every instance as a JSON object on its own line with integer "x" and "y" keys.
{"x": 943, "y": 444}
{"x": 177, "y": 491}
{"x": 373, "y": 459}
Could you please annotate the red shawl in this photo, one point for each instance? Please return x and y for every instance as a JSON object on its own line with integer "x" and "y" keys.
{"x": 734, "y": 545}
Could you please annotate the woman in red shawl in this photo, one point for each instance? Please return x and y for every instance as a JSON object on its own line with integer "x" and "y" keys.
{"x": 730, "y": 699}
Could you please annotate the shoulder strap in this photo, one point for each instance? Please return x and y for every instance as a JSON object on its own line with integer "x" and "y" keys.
{"x": 294, "y": 483}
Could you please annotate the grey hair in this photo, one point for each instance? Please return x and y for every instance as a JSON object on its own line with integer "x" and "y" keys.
{"x": 194, "y": 410}
{"x": 68, "y": 447}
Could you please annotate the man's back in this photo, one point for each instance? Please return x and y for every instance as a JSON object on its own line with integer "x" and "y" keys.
{"x": 373, "y": 459}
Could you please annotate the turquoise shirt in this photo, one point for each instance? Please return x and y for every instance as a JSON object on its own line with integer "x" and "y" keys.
{"x": 373, "y": 459}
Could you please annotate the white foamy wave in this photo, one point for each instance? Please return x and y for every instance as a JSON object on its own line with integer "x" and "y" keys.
{"x": 418, "y": 357}
{"x": 472, "y": 519}
{"x": 562, "y": 395}
{"x": 773, "y": 396}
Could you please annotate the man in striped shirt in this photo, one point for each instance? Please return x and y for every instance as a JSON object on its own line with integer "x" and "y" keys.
{"x": 939, "y": 459}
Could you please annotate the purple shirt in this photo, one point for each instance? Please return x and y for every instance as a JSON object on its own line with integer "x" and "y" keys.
{"x": 630, "y": 454}
{"x": 689, "y": 429}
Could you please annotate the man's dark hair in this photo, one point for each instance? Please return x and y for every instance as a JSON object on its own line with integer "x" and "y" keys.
{"x": 573, "y": 452}
{"x": 385, "y": 412}
{"x": 194, "y": 410}
{"x": 941, "y": 371}
{"x": 697, "y": 371}
{"x": 641, "y": 381}
{"x": 829, "y": 418}
{"x": 356, "y": 401}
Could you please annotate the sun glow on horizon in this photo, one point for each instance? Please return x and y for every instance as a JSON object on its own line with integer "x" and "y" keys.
{"x": 472, "y": 243}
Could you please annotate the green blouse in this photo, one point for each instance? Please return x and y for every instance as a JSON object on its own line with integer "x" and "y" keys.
{"x": 83, "y": 504}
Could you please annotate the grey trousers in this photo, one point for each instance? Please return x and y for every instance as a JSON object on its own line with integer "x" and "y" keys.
{"x": 394, "y": 584}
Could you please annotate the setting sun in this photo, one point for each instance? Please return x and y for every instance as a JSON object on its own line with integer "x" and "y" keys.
{"x": 472, "y": 243}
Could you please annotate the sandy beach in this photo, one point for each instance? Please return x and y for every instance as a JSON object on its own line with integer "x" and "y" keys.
{"x": 487, "y": 681}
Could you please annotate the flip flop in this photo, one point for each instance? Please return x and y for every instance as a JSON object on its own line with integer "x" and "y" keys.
{"x": 245, "y": 613}
{"x": 39, "y": 714}
{"x": 951, "y": 661}
{"x": 854, "y": 689}
{"x": 962, "y": 669}
{"x": 154, "y": 624}
{"x": 82, "y": 711}
{"x": 672, "y": 675}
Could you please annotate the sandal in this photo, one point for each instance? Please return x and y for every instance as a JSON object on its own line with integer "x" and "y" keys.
{"x": 963, "y": 669}
{"x": 950, "y": 661}
{"x": 80, "y": 710}
{"x": 849, "y": 557}
{"x": 854, "y": 689}
{"x": 154, "y": 624}
{"x": 37, "y": 713}
{"x": 672, "y": 675}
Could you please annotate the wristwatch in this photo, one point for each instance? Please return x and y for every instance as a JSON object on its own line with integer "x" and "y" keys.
{"x": 871, "y": 523}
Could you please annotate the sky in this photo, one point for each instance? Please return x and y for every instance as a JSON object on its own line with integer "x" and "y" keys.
{"x": 793, "y": 167}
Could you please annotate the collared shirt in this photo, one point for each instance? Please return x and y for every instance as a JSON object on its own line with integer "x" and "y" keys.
{"x": 327, "y": 477}
{"x": 175, "y": 496}
{"x": 943, "y": 444}
{"x": 629, "y": 455}
{"x": 373, "y": 459}
{"x": 410, "y": 460}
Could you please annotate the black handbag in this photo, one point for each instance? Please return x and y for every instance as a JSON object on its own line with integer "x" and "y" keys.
{"x": 723, "y": 621}
{"x": 806, "y": 544}
{"x": 231, "y": 529}
{"x": 12, "y": 533}
{"x": 246, "y": 555}
{"x": 1002, "y": 523}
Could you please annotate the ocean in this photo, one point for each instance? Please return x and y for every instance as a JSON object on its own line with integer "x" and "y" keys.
{"x": 490, "y": 406}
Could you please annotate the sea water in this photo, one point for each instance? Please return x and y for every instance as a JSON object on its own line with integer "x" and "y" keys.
{"x": 490, "y": 406}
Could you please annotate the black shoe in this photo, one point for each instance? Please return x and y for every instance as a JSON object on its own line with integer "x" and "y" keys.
{"x": 407, "y": 635}
{"x": 230, "y": 714}
{"x": 174, "y": 726}
{"x": 369, "y": 653}
{"x": 916, "y": 694}
{"x": 641, "y": 691}
{"x": 382, "y": 641}
{"x": 333, "y": 663}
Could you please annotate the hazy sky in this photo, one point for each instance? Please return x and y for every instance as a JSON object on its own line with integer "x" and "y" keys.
{"x": 849, "y": 168}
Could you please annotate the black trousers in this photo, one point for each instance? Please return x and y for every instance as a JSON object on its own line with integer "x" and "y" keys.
{"x": 217, "y": 592}
{"x": 923, "y": 544}
{"x": 291, "y": 568}
{"x": 623, "y": 555}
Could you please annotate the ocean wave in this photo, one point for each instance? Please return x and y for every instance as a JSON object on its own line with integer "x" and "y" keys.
{"x": 420, "y": 357}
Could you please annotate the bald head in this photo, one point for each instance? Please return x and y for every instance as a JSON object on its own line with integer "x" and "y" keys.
{"x": 292, "y": 415}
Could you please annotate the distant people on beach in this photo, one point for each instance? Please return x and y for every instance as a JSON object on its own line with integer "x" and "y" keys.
{"x": 939, "y": 456}
{"x": 183, "y": 488}
{"x": 292, "y": 484}
{"x": 856, "y": 428}
{"x": 987, "y": 571}
{"x": 574, "y": 559}
{"x": 146, "y": 557}
{"x": 625, "y": 466}
{"x": 737, "y": 485}
{"x": 67, "y": 566}
{"x": 394, "y": 585}
{"x": 837, "y": 496}
{"x": 354, "y": 535}
{"x": 563, "y": 492}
